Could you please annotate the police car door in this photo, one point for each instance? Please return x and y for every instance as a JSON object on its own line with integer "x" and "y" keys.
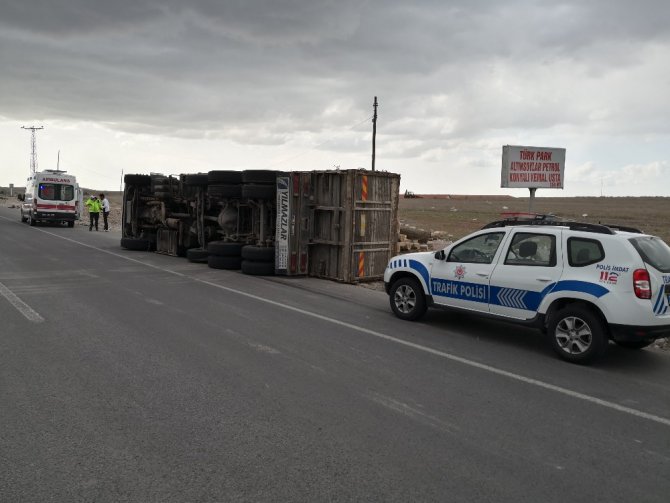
{"x": 528, "y": 270}
{"x": 462, "y": 278}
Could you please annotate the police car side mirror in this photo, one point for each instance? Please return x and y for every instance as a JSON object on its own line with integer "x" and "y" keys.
{"x": 440, "y": 255}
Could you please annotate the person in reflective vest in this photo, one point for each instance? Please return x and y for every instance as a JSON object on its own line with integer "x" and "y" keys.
{"x": 94, "y": 208}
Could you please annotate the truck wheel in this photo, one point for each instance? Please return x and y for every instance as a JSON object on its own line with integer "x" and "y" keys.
{"x": 577, "y": 334}
{"x": 224, "y": 248}
{"x": 219, "y": 262}
{"x": 255, "y": 191}
{"x": 197, "y": 255}
{"x": 634, "y": 344}
{"x": 137, "y": 179}
{"x": 196, "y": 180}
{"x": 136, "y": 244}
{"x": 70, "y": 223}
{"x": 258, "y": 268}
{"x": 259, "y": 253}
{"x": 31, "y": 221}
{"x": 263, "y": 176}
{"x": 408, "y": 301}
{"x": 224, "y": 177}
{"x": 225, "y": 191}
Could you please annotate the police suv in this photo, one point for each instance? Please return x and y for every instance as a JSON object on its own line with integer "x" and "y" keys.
{"x": 584, "y": 284}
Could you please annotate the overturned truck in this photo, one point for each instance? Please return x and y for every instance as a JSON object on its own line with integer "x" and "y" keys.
{"x": 340, "y": 225}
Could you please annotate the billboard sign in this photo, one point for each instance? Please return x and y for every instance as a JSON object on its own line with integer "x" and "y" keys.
{"x": 532, "y": 167}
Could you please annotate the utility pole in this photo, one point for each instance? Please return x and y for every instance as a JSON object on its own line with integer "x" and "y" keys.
{"x": 33, "y": 148}
{"x": 374, "y": 132}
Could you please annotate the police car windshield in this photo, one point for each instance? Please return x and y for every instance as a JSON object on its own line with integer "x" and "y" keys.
{"x": 653, "y": 251}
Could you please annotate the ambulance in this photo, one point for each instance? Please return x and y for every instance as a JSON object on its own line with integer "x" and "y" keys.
{"x": 51, "y": 196}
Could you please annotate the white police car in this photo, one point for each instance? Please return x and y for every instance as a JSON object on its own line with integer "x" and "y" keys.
{"x": 582, "y": 283}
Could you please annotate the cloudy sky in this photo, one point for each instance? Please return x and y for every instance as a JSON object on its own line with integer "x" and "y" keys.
{"x": 175, "y": 87}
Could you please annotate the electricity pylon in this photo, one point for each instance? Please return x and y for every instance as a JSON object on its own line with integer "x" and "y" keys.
{"x": 33, "y": 148}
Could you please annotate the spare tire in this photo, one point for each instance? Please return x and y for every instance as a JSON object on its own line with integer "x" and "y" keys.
{"x": 227, "y": 177}
{"x": 137, "y": 179}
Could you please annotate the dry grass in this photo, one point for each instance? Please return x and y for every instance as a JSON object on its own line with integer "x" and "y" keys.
{"x": 460, "y": 215}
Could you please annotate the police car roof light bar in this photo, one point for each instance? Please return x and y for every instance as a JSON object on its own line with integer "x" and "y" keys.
{"x": 552, "y": 220}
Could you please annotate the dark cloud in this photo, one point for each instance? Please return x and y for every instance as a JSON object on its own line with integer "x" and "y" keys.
{"x": 262, "y": 71}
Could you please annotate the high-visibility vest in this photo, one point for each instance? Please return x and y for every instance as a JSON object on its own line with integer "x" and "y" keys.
{"x": 94, "y": 205}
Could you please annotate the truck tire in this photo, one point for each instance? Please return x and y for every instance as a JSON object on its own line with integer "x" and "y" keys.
{"x": 220, "y": 262}
{"x": 224, "y": 177}
{"x": 197, "y": 255}
{"x": 255, "y": 191}
{"x": 31, "y": 221}
{"x": 258, "y": 268}
{"x": 196, "y": 180}
{"x": 262, "y": 176}
{"x": 259, "y": 253}
{"x": 70, "y": 223}
{"x": 136, "y": 244}
{"x": 137, "y": 179}
{"x": 225, "y": 191}
{"x": 224, "y": 248}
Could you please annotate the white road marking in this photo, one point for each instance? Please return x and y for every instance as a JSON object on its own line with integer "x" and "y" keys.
{"x": 419, "y": 347}
{"x": 21, "y": 306}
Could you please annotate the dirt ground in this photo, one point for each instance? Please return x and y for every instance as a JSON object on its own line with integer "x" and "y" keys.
{"x": 457, "y": 216}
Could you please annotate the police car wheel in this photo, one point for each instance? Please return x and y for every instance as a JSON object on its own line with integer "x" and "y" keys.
{"x": 407, "y": 299}
{"x": 31, "y": 221}
{"x": 577, "y": 334}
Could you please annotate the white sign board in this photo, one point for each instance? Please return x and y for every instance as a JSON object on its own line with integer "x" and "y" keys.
{"x": 282, "y": 227}
{"x": 532, "y": 167}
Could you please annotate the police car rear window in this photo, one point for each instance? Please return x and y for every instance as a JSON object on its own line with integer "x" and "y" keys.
{"x": 56, "y": 192}
{"x": 583, "y": 252}
{"x": 653, "y": 251}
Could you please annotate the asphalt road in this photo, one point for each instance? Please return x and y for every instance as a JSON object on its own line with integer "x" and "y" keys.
{"x": 132, "y": 376}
